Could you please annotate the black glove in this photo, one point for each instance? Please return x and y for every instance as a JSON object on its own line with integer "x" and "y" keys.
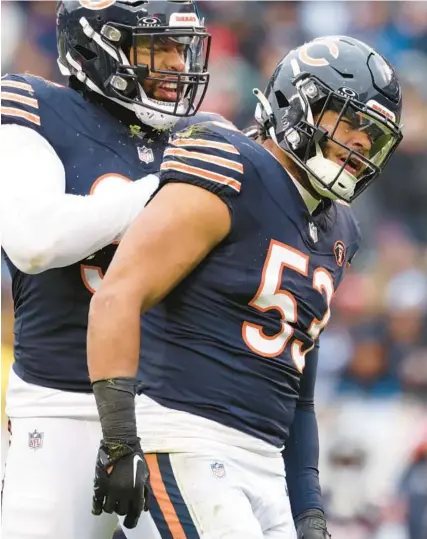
{"x": 121, "y": 474}
{"x": 121, "y": 481}
{"x": 312, "y": 525}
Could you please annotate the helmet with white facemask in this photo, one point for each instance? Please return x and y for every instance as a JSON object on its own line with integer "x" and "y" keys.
{"x": 340, "y": 74}
{"x": 95, "y": 40}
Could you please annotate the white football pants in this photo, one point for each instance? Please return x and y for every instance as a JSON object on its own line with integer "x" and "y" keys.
{"x": 50, "y": 465}
{"x": 224, "y": 492}
{"x": 227, "y": 493}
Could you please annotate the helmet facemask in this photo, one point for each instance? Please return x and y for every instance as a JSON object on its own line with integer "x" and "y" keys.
{"x": 301, "y": 135}
{"x": 183, "y": 91}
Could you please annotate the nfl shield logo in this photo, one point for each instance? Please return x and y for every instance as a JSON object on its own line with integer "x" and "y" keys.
{"x": 145, "y": 154}
{"x": 218, "y": 470}
{"x": 313, "y": 232}
{"x": 35, "y": 440}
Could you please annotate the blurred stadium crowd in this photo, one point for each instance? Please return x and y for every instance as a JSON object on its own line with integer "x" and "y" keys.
{"x": 372, "y": 384}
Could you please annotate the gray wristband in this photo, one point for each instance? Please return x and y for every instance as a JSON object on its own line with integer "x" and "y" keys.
{"x": 115, "y": 399}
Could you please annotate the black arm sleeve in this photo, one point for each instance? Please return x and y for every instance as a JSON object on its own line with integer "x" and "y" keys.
{"x": 301, "y": 454}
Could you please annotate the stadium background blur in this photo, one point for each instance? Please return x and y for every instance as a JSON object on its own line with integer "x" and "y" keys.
{"x": 372, "y": 383}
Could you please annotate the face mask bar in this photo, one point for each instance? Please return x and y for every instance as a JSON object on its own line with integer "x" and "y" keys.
{"x": 384, "y": 135}
{"x": 191, "y": 84}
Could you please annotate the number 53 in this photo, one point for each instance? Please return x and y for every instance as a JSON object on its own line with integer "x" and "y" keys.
{"x": 269, "y": 296}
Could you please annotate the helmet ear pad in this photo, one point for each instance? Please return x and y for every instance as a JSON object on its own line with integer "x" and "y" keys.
{"x": 290, "y": 124}
{"x": 293, "y": 114}
{"x": 298, "y": 132}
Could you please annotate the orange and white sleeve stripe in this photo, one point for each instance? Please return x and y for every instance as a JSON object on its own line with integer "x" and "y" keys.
{"x": 16, "y": 104}
{"x": 200, "y": 156}
{"x": 202, "y": 173}
{"x": 211, "y": 160}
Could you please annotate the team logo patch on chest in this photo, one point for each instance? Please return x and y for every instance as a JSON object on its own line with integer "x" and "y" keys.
{"x": 35, "y": 440}
{"x": 339, "y": 252}
{"x": 145, "y": 154}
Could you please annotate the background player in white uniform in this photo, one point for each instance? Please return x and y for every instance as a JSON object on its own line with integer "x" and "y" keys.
{"x": 72, "y": 159}
{"x": 235, "y": 286}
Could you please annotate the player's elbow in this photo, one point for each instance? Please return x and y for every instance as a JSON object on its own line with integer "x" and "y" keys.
{"x": 103, "y": 302}
{"x": 114, "y": 300}
{"x": 30, "y": 259}
{"x": 109, "y": 301}
{"x": 38, "y": 262}
{"x": 30, "y": 247}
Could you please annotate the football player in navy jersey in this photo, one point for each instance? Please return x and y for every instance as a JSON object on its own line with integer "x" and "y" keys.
{"x": 78, "y": 164}
{"x": 235, "y": 286}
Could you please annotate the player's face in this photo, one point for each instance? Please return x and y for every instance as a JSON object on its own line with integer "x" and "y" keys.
{"x": 169, "y": 55}
{"x": 348, "y": 133}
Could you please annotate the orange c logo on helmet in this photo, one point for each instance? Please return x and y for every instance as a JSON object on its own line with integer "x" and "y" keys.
{"x": 304, "y": 53}
{"x": 96, "y": 4}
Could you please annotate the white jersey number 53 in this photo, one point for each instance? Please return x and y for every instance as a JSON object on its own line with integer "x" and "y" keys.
{"x": 280, "y": 258}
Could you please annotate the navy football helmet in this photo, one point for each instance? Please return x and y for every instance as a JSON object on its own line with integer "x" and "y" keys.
{"x": 344, "y": 75}
{"x": 95, "y": 40}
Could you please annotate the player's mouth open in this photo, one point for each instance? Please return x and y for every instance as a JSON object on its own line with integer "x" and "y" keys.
{"x": 167, "y": 91}
{"x": 353, "y": 166}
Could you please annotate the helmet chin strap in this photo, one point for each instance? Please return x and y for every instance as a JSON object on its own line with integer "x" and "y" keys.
{"x": 326, "y": 170}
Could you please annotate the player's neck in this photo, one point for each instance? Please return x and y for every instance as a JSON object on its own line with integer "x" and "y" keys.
{"x": 302, "y": 183}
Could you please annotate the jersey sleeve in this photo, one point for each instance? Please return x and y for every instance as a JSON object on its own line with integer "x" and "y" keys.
{"x": 204, "y": 158}
{"x": 19, "y": 103}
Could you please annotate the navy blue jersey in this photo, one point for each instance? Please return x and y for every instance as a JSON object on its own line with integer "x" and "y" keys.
{"x": 51, "y": 309}
{"x": 229, "y": 343}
